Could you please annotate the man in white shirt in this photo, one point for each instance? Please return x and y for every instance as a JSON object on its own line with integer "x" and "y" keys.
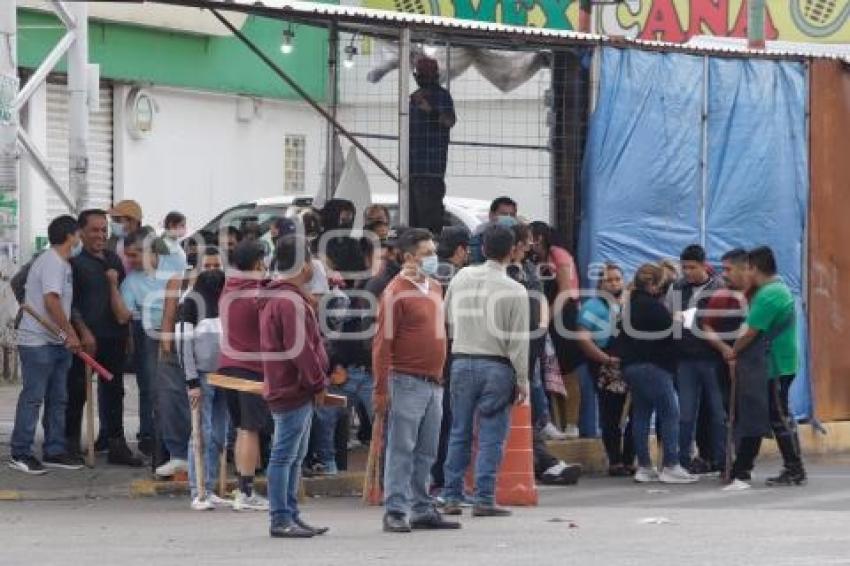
{"x": 45, "y": 356}
{"x": 488, "y": 317}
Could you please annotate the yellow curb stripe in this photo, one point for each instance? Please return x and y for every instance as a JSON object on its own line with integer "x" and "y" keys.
{"x": 10, "y": 495}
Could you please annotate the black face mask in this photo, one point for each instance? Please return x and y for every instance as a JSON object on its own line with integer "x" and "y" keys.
{"x": 618, "y": 294}
{"x": 192, "y": 259}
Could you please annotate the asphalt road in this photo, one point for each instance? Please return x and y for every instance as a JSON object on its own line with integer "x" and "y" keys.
{"x": 602, "y": 521}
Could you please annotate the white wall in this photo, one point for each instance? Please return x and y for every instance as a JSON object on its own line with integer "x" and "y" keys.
{"x": 199, "y": 159}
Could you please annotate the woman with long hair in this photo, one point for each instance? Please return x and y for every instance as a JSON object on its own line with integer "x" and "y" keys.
{"x": 649, "y": 361}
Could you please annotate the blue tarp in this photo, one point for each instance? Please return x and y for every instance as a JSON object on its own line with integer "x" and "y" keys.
{"x": 645, "y": 193}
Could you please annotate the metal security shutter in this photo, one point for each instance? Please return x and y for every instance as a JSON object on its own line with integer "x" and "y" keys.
{"x": 99, "y": 146}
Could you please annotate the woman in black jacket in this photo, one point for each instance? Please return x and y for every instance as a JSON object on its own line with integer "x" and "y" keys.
{"x": 649, "y": 366}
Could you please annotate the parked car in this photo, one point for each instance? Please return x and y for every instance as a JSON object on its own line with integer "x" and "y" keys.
{"x": 260, "y": 214}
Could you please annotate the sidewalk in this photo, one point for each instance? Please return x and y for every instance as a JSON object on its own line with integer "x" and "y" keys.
{"x": 105, "y": 481}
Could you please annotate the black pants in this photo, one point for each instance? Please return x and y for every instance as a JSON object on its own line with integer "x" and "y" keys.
{"x": 426, "y": 203}
{"x": 111, "y": 354}
{"x": 784, "y": 431}
{"x": 619, "y": 443}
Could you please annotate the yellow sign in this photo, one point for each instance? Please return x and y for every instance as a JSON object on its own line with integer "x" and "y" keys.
{"x": 806, "y": 21}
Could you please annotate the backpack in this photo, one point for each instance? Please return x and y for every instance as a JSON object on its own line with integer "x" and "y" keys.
{"x": 18, "y": 283}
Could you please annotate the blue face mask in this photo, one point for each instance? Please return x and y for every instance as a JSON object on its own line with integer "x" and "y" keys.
{"x": 77, "y": 249}
{"x": 117, "y": 229}
{"x": 430, "y": 265}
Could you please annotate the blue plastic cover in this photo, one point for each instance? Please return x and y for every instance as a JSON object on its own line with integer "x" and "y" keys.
{"x": 644, "y": 195}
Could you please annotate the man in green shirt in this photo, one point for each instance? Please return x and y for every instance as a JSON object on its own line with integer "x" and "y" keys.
{"x": 772, "y": 317}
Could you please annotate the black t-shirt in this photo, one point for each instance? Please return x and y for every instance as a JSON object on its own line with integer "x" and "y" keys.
{"x": 648, "y": 315}
{"x": 91, "y": 293}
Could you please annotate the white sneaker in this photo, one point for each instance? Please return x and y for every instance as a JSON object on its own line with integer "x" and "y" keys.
{"x": 199, "y": 504}
{"x": 551, "y": 432}
{"x": 219, "y": 501}
{"x": 677, "y": 474}
{"x": 646, "y": 475}
{"x": 737, "y": 485}
{"x": 172, "y": 467}
{"x": 571, "y": 431}
{"x": 255, "y": 502}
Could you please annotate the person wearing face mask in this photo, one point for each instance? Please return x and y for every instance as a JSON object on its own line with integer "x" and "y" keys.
{"x": 45, "y": 358}
{"x": 649, "y": 358}
{"x": 407, "y": 357}
{"x": 125, "y": 218}
{"x": 503, "y": 210}
{"x": 596, "y": 322}
{"x": 175, "y": 230}
{"x": 432, "y": 116}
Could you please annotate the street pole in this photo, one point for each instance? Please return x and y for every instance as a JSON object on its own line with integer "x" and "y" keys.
{"x": 333, "y": 104}
{"x": 755, "y": 24}
{"x": 9, "y": 180}
{"x": 404, "y": 127}
{"x": 78, "y": 119}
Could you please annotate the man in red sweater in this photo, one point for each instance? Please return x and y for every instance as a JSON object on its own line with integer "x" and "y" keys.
{"x": 295, "y": 366}
{"x": 408, "y": 354}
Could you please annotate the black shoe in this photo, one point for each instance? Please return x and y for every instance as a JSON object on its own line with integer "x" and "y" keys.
{"x": 452, "y": 508}
{"x": 562, "y": 474}
{"x": 395, "y": 523}
{"x": 490, "y": 511}
{"x": 290, "y": 530}
{"x": 318, "y": 531}
{"x": 146, "y": 446}
{"x": 64, "y": 461}
{"x": 620, "y": 471}
{"x": 699, "y": 467}
{"x": 433, "y": 522}
{"x": 787, "y": 478}
{"x": 121, "y": 455}
{"x": 28, "y": 465}
{"x": 101, "y": 445}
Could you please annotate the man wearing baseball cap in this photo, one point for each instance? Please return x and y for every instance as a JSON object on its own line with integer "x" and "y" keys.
{"x": 124, "y": 219}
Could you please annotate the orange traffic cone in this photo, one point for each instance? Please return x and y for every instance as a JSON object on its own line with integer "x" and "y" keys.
{"x": 515, "y": 482}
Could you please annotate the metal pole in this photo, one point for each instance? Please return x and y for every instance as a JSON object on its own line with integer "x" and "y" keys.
{"x": 9, "y": 198}
{"x": 703, "y": 206}
{"x": 755, "y": 24}
{"x": 332, "y": 94}
{"x": 404, "y": 127}
{"x": 78, "y": 106}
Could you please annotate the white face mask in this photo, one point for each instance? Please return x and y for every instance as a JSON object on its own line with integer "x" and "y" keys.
{"x": 77, "y": 249}
{"x": 117, "y": 229}
{"x": 430, "y": 265}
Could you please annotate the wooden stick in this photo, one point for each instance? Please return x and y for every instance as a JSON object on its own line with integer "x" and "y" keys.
{"x": 256, "y": 387}
{"x": 198, "y": 450}
{"x": 730, "y": 425}
{"x": 89, "y": 420}
{"x": 372, "y": 493}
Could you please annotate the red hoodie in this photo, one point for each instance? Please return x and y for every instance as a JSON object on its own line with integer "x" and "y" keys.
{"x": 240, "y": 325}
{"x": 296, "y": 364}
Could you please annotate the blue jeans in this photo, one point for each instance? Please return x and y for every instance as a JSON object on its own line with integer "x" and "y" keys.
{"x": 213, "y": 426}
{"x": 539, "y": 402}
{"x": 416, "y": 413}
{"x": 358, "y": 389}
{"x": 588, "y": 420}
{"x": 480, "y": 390}
{"x": 652, "y": 390}
{"x": 697, "y": 380}
{"x": 44, "y": 372}
{"x": 172, "y": 409}
{"x": 146, "y": 365}
{"x": 289, "y": 447}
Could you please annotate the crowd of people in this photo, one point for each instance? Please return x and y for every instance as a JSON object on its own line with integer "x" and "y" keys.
{"x": 438, "y": 334}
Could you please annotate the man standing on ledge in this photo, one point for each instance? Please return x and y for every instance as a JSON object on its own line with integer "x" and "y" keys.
{"x": 432, "y": 115}
{"x": 488, "y": 318}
